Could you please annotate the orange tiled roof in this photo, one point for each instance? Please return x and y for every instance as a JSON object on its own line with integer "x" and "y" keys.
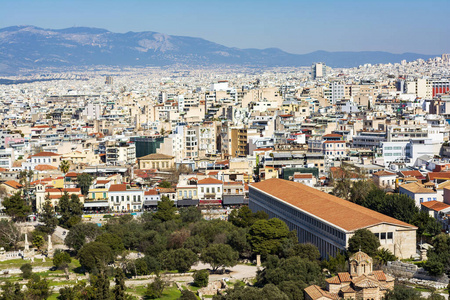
{"x": 45, "y": 168}
{"x": 416, "y": 188}
{"x": 118, "y": 188}
{"x": 384, "y": 173}
{"x": 333, "y": 280}
{"x": 13, "y": 184}
{"x": 379, "y": 275}
{"x": 301, "y": 176}
{"x": 315, "y": 292}
{"x": 413, "y": 173}
{"x": 151, "y": 192}
{"x": 438, "y": 175}
{"x": 45, "y": 154}
{"x": 435, "y": 205}
{"x": 342, "y": 213}
{"x": 344, "y": 277}
{"x": 209, "y": 181}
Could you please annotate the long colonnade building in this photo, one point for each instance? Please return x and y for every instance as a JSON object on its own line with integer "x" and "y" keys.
{"x": 328, "y": 221}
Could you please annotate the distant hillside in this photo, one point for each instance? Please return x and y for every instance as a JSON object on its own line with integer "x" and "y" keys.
{"x": 30, "y": 47}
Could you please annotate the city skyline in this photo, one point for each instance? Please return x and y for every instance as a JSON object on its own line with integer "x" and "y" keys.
{"x": 293, "y": 26}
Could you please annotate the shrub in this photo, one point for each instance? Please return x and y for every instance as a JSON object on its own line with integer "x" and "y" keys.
{"x": 201, "y": 278}
{"x": 27, "y": 270}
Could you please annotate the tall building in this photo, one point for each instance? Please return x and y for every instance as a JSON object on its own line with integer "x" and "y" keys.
{"x": 328, "y": 221}
{"x": 109, "y": 80}
{"x": 318, "y": 71}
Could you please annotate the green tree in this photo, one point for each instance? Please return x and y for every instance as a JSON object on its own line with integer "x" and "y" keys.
{"x": 38, "y": 241}
{"x": 61, "y": 259}
{"x": 190, "y": 214}
{"x": 112, "y": 240}
{"x": 219, "y": 255}
{"x": 155, "y": 289}
{"x": 179, "y": 259}
{"x": 12, "y": 291}
{"x": 70, "y": 209}
{"x": 187, "y": 295}
{"x": 76, "y": 292}
{"x": 84, "y": 182}
{"x": 27, "y": 270}
{"x": 165, "y": 184}
{"x": 244, "y": 217}
{"x": 365, "y": 240}
{"x": 166, "y": 210}
{"x": 402, "y": 292}
{"x": 119, "y": 287}
{"x": 266, "y": 236}
{"x": 439, "y": 256}
{"x": 99, "y": 288}
{"x": 360, "y": 190}
{"x": 48, "y": 217}
{"x": 95, "y": 256}
{"x": 201, "y": 278}
{"x": 336, "y": 264}
{"x": 64, "y": 166}
{"x": 25, "y": 178}
{"x": 306, "y": 251}
{"x": 80, "y": 234}
{"x": 37, "y": 288}
{"x": 16, "y": 207}
{"x": 383, "y": 256}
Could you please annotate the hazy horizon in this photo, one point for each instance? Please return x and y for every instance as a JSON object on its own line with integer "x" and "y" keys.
{"x": 296, "y": 27}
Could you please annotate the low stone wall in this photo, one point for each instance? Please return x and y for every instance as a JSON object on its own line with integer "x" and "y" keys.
{"x": 409, "y": 271}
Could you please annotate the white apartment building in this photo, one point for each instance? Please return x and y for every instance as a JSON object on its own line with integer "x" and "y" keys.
{"x": 122, "y": 198}
{"x": 120, "y": 153}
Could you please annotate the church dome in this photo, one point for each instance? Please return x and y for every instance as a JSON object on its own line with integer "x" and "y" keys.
{"x": 360, "y": 256}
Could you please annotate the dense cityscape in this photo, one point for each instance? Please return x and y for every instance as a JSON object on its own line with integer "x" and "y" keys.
{"x": 226, "y": 182}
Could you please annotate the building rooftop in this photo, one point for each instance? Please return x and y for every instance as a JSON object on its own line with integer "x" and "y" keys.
{"x": 339, "y": 212}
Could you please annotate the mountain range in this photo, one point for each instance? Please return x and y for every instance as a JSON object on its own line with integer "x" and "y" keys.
{"x": 30, "y": 47}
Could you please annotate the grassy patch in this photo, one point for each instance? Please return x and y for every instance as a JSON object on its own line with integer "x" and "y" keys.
{"x": 171, "y": 293}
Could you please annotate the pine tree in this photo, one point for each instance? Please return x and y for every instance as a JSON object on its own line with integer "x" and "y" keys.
{"x": 48, "y": 217}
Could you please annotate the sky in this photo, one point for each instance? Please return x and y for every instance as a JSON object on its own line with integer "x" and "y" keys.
{"x": 295, "y": 26}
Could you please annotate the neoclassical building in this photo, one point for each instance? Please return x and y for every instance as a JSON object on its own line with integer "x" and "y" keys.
{"x": 360, "y": 282}
{"x": 328, "y": 221}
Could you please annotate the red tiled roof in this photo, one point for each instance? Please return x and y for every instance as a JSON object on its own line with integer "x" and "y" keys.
{"x": 13, "y": 184}
{"x": 71, "y": 174}
{"x": 102, "y": 181}
{"x": 118, "y": 188}
{"x": 45, "y": 154}
{"x": 151, "y": 192}
{"x": 379, "y": 275}
{"x": 435, "y": 205}
{"x": 335, "y": 135}
{"x": 45, "y": 168}
{"x": 414, "y": 173}
{"x": 342, "y": 213}
{"x": 209, "y": 181}
{"x": 384, "y": 173}
{"x": 301, "y": 176}
{"x": 333, "y": 280}
{"x": 438, "y": 175}
{"x": 315, "y": 292}
{"x": 344, "y": 277}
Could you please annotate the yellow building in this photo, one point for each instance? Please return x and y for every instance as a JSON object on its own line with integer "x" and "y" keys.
{"x": 156, "y": 161}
